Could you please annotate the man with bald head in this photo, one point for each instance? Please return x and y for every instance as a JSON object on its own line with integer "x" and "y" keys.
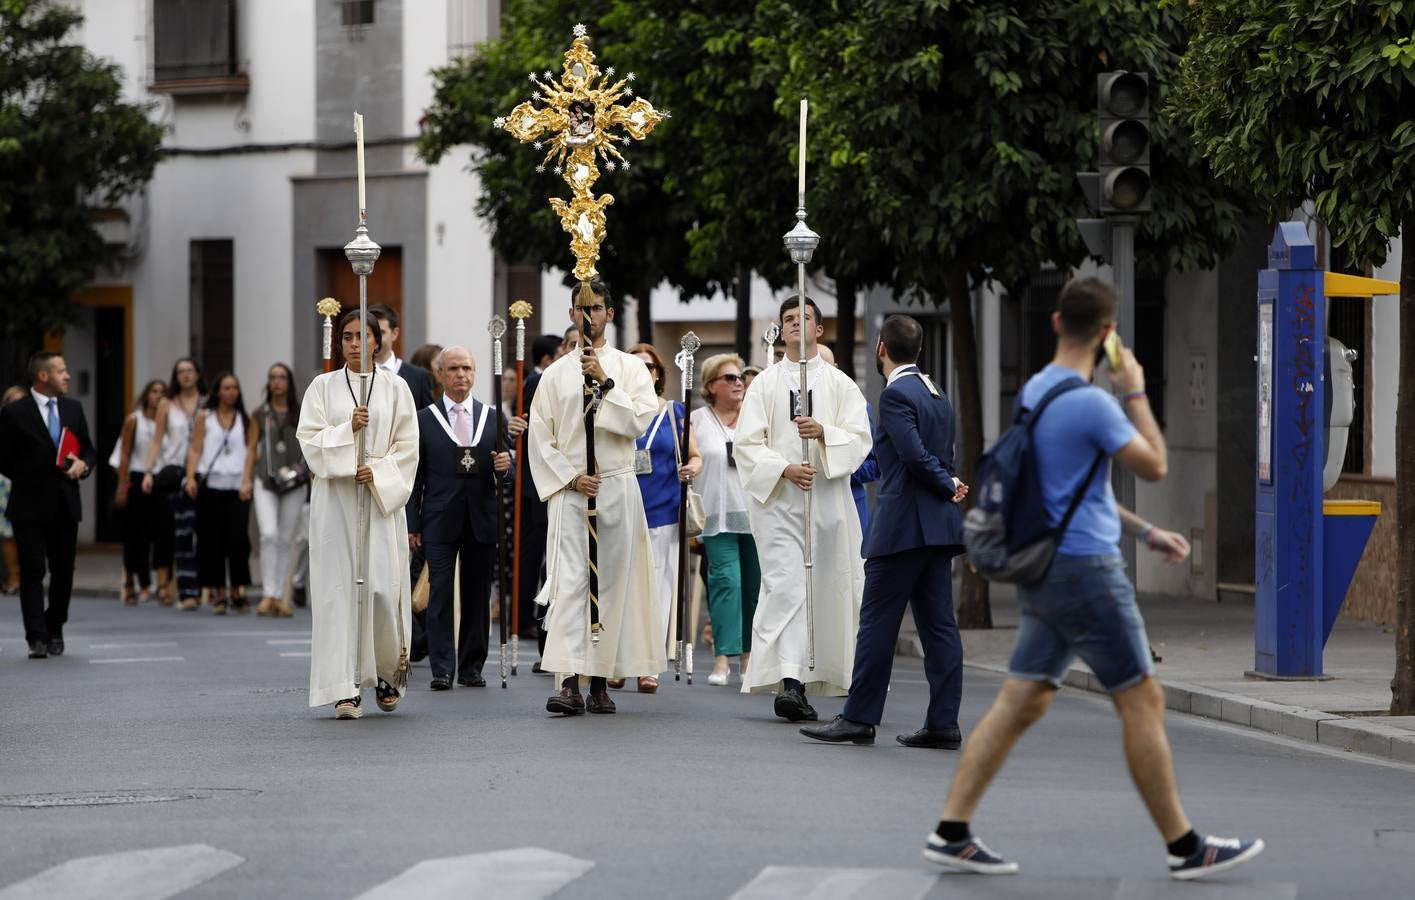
{"x": 452, "y": 514}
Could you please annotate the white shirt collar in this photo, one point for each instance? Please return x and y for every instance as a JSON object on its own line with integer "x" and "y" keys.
{"x": 43, "y": 402}
{"x": 391, "y": 364}
{"x": 900, "y": 372}
{"x": 448, "y": 403}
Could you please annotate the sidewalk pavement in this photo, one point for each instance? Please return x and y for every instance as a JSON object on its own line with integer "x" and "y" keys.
{"x": 1207, "y": 647}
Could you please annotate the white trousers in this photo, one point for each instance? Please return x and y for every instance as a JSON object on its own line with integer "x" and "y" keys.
{"x": 664, "y": 540}
{"x": 278, "y": 517}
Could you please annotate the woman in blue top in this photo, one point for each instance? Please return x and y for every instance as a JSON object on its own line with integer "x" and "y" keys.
{"x": 660, "y": 474}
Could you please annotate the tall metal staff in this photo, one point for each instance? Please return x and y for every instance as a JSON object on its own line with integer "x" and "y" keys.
{"x": 520, "y": 311}
{"x": 769, "y": 340}
{"x": 329, "y": 308}
{"x": 362, "y": 253}
{"x": 497, "y": 328}
{"x": 683, "y": 657}
{"x": 801, "y": 243}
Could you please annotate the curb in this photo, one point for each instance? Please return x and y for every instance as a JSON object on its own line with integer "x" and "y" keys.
{"x": 1311, "y": 725}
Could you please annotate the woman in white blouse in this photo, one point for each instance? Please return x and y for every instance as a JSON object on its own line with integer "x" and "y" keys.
{"x": 147, "y": 519}
{"x": 734, "y": 575}
{"x": 219, "y": 472}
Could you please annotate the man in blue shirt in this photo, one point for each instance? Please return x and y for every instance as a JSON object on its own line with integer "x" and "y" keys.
{"x": 1085, "y": 605}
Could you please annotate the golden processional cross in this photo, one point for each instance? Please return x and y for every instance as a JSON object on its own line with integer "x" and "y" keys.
{"x": 577, "y": 114}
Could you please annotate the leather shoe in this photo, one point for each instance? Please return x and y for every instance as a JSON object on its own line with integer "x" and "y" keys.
{"x": 473, "y": 681}
{"x": 945, "y": 739}
{"x": 418, "y": 651}
{"x": 442, "y": 682}
{"x": 568, "y": 702}
{"x": 537, "y": 670}
{"x": 38, "y": 649}
{"x": 56, "y": 647}
{"x": 839, "y": 730}
{"x": 792, "y": 706}
{"x": 600, "y": 703}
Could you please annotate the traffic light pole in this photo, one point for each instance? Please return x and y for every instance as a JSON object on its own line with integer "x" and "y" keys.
{"x": 1122, "y": 262}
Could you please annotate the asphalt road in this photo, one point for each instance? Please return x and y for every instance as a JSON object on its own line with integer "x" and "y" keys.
{"x": 697, "y": 792}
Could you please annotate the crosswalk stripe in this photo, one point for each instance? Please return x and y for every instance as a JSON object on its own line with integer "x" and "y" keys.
{"x": 526, "y": 873}
{"x": 1154, "y": 889}
{"x": 297, "y": 653}
{"x": 138, "y": 659}
{"x": 278, "y": 641}
{"x": 128, "y": 646}
{"x": 154, "y": 874}
{"x": 826, "y": 883}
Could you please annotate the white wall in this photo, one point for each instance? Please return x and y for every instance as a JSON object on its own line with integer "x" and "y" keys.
{"x": 460, "y": 264}
{"x": 1385, "y": 367}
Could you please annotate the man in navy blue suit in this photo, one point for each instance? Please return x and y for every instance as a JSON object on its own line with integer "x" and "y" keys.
{"x": 914, "y": 534}
{"x": 452, "y": 512}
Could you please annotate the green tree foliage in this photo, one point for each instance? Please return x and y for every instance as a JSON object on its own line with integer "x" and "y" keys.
{"x": 1301, "y": 100}
{"x": 68, "y": 145}
{"x": 959, "y": 127}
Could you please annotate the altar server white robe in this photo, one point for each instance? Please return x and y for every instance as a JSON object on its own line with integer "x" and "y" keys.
{"x": 326, "y": 435}
{"x": 631, "y": 642}
{"x": 767, "y": 442}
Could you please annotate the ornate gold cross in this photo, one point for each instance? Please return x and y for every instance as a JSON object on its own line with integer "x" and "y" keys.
{"x": 577, "y": 112}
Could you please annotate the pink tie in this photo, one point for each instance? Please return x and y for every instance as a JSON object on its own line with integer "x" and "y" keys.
{"x": 463, "y": 426}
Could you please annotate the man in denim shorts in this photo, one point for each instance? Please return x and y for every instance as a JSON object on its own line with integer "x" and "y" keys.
{"x": 1085, "y": 605}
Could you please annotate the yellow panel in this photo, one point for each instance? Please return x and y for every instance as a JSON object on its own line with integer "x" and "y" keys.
{"x": 1337, "y": 284}
{"x": 1351, "y": 507}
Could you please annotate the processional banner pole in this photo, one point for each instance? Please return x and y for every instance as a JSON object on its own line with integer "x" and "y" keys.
{"x": 497, "y": 327}
{"x": 520, "y": 311}
{"x": 683, "y": 657}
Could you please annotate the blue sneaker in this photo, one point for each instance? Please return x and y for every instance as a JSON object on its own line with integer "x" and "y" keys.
{"x": 1215, "y": 854}
{"x": 971, "y": 855}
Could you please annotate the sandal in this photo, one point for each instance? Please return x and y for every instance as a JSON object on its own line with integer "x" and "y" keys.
{"x": 130, "y": 596}
{"x": 240, "y": 604}
{"x": 266, "y": 607}
{"x": 386, "y": 695}
{"x": 352, "y": 708}
{"x": 648, "y": 684}
{"x": 218, "y": 606}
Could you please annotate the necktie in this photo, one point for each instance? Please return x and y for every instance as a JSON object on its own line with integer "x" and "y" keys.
{"x": 463, "y": 425}
{"x": 54, "y": 429}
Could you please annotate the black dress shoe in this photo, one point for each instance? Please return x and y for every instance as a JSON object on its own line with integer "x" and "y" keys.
{"x": 792, "y": 706}
{"x": 839, "y": 730}
{"x": 38, "y": 649}
{"x": 418, "y": 651}
{"x": 442, "y": 682}
{"x": 947, "y": 739}
{"x": 475, "y": 681}
{"x": 56, "y": 646}
{"x": 568, "y": 702}
{"x": 537, "y": 670}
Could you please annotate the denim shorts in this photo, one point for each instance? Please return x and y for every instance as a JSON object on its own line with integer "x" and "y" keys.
{"x": 1085, "y": 606}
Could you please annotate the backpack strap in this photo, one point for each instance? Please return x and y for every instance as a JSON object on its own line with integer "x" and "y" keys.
{"x": 1031, "y": 415}
{"x": 1070, "y": 384}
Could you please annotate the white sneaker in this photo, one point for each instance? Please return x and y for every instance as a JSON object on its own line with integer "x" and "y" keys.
{"x": 719, "y": 680}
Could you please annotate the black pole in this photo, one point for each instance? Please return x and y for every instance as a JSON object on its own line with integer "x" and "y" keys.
{"x": 498, "y": 485}
{"x": 683, "y": 538}
{"x": 590, "y": 466}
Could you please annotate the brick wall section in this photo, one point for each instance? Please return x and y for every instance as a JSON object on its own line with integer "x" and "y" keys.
{"x": 1371, "y": 597}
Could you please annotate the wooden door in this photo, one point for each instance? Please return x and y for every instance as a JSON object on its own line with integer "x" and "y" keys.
{"x": 385, "y": 285}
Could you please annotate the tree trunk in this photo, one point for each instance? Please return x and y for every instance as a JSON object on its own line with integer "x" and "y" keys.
{"x": 845, "y": 296}
{"x": 1402, "y": 701}
{"x": 974, "y": 610}
{"x": 742, "y": 332}
{"x": 645, "y": 315}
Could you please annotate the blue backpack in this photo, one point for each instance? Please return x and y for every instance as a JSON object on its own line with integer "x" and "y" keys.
{"x": 1007, "y": 533}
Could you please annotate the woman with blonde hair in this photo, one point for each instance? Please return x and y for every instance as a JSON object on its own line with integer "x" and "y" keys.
{"x": 734, "y": 574}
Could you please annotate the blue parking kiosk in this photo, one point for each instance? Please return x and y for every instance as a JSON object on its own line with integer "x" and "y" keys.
{"x": 1306, "y": 549}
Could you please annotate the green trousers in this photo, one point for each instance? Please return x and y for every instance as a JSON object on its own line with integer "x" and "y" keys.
{"x": 734, "y": 578}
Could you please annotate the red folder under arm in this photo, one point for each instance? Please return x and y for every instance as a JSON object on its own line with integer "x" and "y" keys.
{"x": 68, "y": 449}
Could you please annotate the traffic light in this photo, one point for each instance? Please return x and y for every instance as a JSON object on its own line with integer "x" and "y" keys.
{"x": 1123, "y": 99}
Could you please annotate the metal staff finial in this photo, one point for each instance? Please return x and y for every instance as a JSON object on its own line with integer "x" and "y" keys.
{"x": 683, "y": 655}
{"x": 328, "y": 308}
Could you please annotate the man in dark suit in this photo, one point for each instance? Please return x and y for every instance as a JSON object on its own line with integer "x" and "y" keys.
{"x": 420, "y": 383}
{"x": 914, "y": 534}
{"x": 535, "y": 518}
{"x": 452, "y": 513}
{"x": 44, "y": 497}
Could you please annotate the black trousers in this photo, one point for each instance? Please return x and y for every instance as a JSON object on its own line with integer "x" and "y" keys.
{"x": 147, "y": 531}
{"x": 472, "y": 636}
{"x": 54, "y": 543}
{"x": 923, "y": 579}
{"x": 535, "y": 521}
{"x": 223, "y": 539}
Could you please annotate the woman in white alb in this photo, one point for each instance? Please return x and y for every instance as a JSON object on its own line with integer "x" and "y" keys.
{"x": 733, "y": 575}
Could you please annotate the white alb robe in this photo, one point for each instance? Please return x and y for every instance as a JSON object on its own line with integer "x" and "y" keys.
{"x": 326, "y": 435}
{"x": 631, "y": 642}
{"x": 766, "y": 443}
